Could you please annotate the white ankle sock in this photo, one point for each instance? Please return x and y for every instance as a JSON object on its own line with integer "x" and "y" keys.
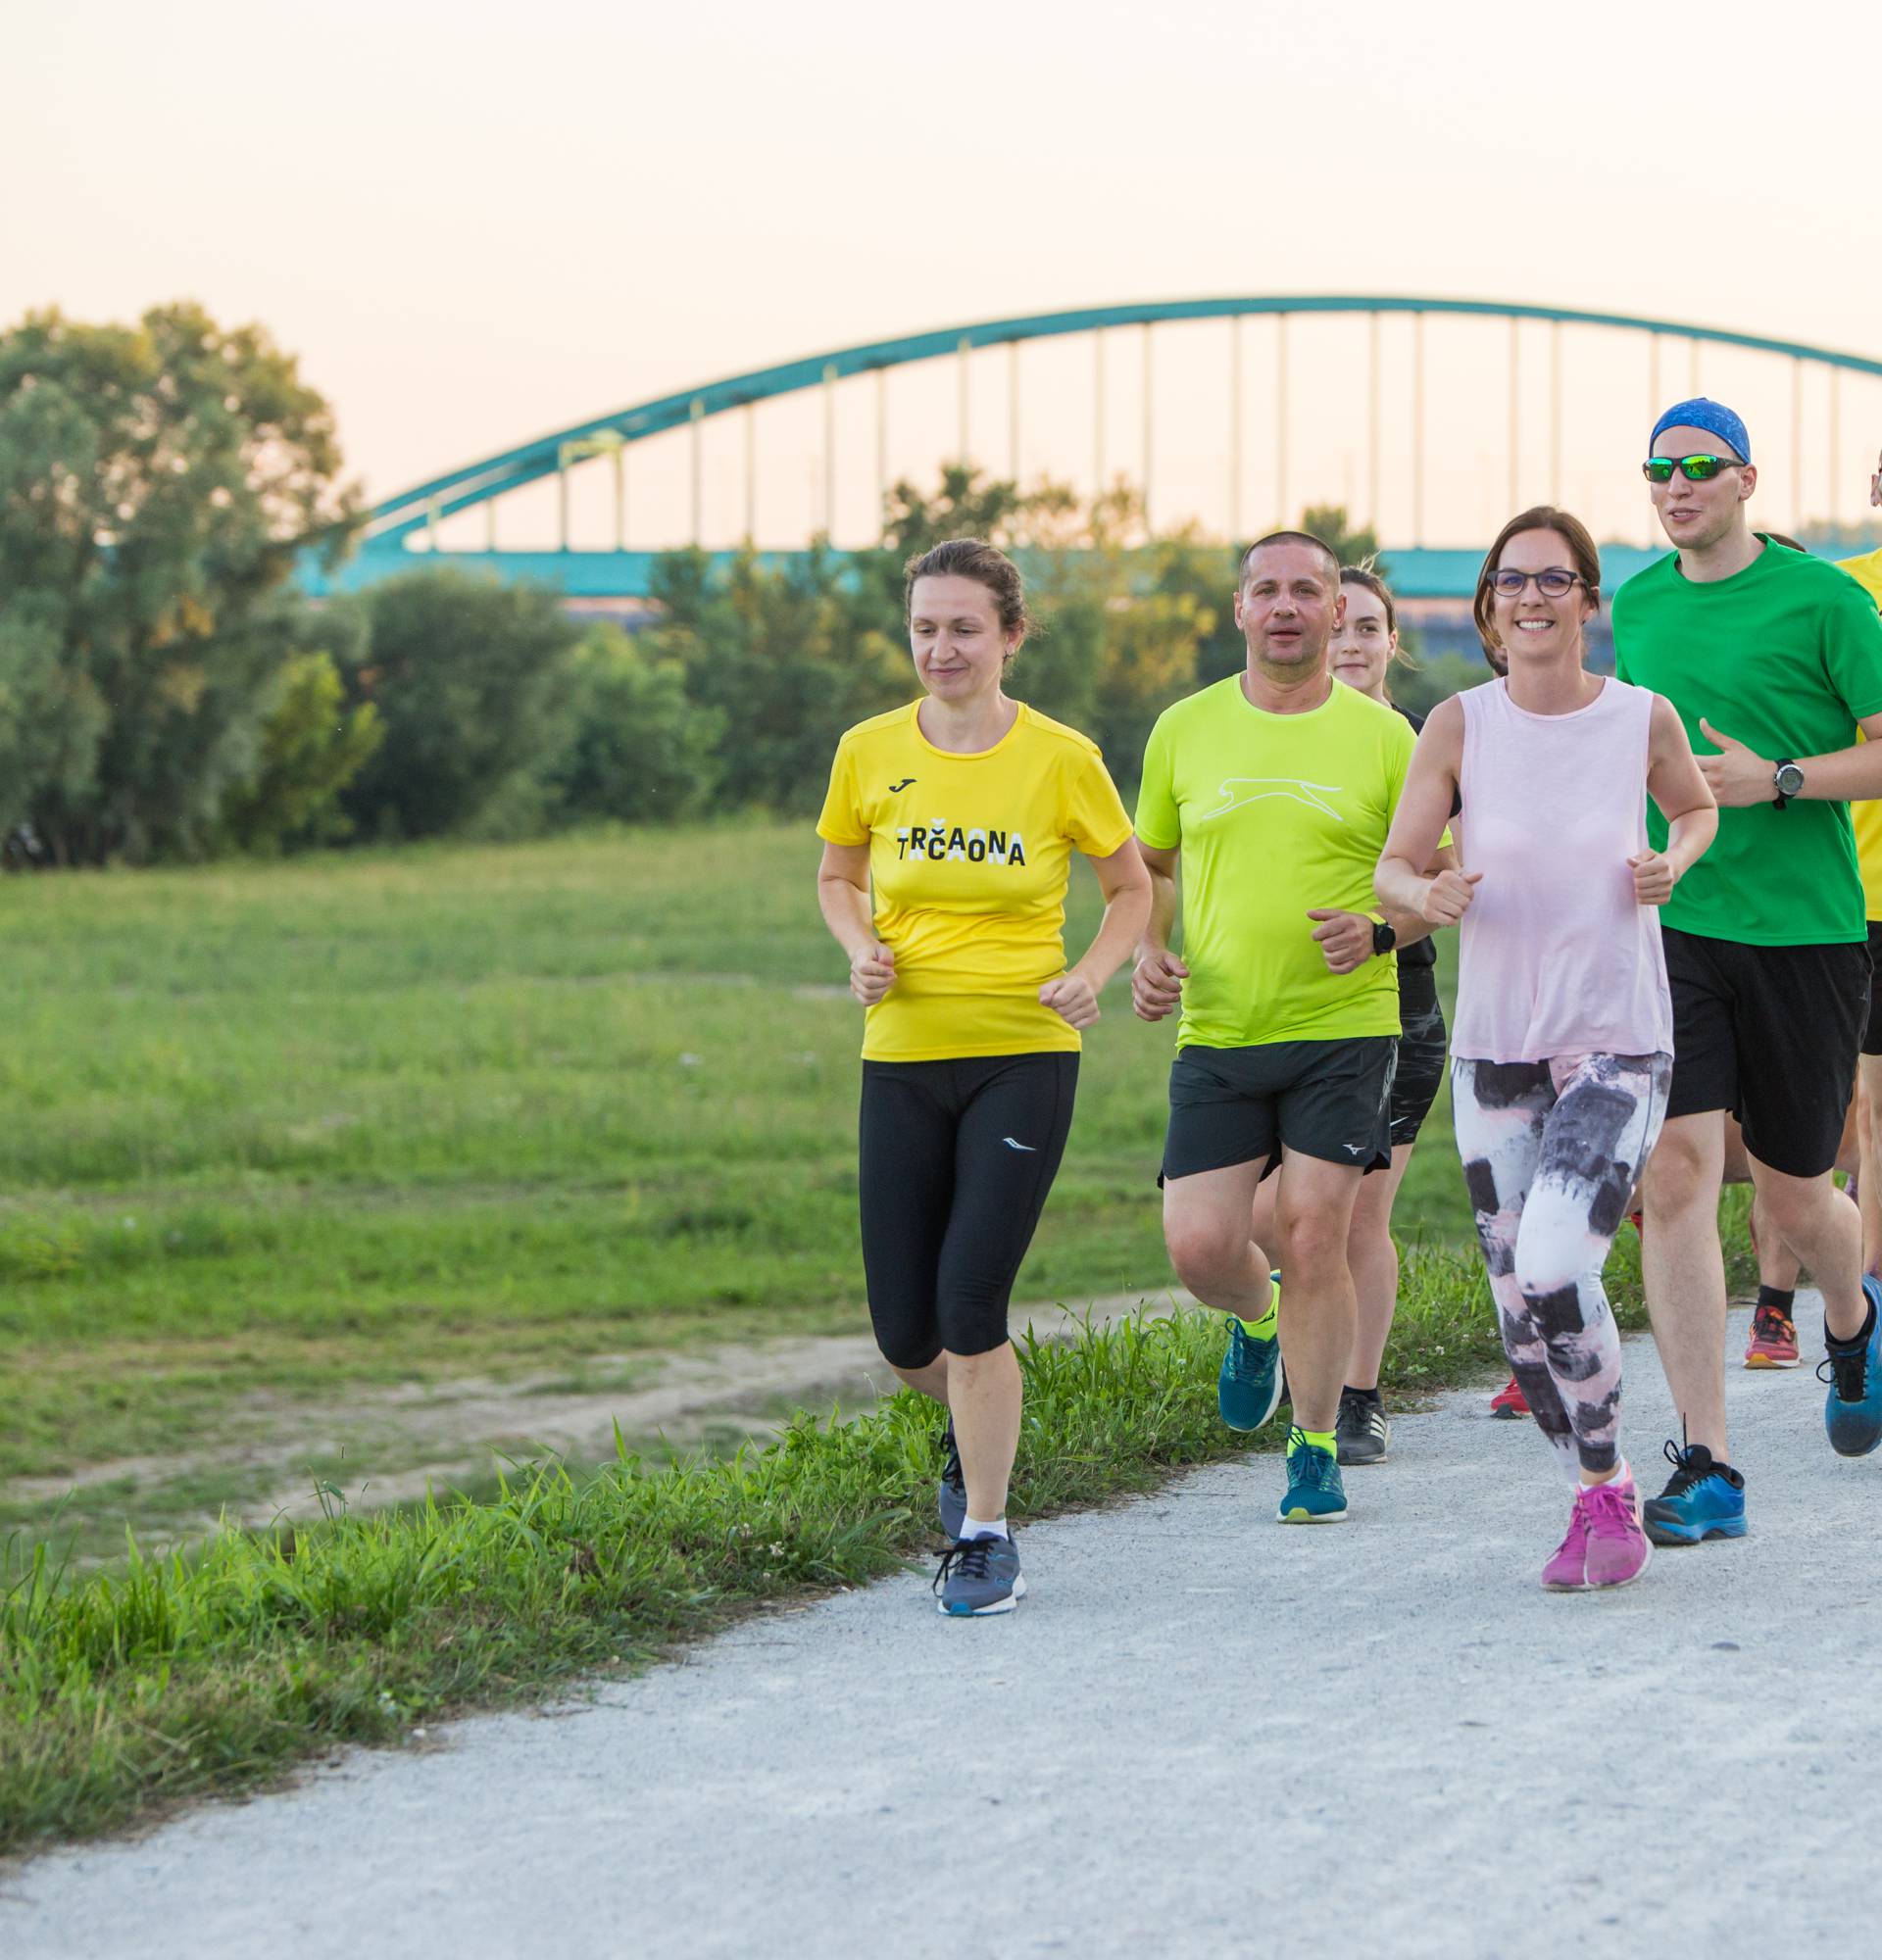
{"x": 972, "y": 1528}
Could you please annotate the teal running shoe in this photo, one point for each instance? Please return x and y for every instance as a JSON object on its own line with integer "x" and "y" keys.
{"x": 1247, "y": 1390}
{"x": 1314, "y": 1493}
{"x": 978, "y": 1577}
{"x": 1852, "y": 1409}
{"x": 1703, "y": 1499}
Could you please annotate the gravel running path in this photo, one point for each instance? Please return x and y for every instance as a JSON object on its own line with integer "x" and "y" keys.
{"x": 1202, "y": 1734}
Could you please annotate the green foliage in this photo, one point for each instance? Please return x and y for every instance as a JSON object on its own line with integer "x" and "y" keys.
{"x": 1350, "y": 544}
{"x": 155, "y": 483}
{"x": 1421, "y": 688}
{"x": 635, "y": 748}
{"x": 785, "y": 659}
{"x": 171, "y": 1678}
{"x": 311, "y": 749}
{"x": 469, "y": 679}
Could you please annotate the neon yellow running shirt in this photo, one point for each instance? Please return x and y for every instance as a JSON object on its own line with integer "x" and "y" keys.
{"x": 1276, "y": 816}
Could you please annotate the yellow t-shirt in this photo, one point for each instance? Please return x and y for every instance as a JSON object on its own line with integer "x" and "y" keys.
{"x": 1277, "y": 815}
{"x": 1866, "y": 818}
{"x": 969, "y": 857}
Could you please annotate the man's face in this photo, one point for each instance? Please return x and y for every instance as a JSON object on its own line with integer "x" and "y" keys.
{"x": 1697, "y": 516}
{"x": 1287, "y": 607}
{"x": 1875, "y": 485}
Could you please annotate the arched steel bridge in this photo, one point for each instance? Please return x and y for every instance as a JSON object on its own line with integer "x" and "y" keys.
{"x": 395, "y": 524}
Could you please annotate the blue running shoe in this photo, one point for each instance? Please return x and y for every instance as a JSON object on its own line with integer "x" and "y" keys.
{"x": 952, "y": 1498}
{"x": 1853, "y": 1411}
{"x": 980, "y": 1576}
{"x": 1703, "y": 1499}
{"x": 1314, "y": 1493}
{"x": 1247, "y": 1390}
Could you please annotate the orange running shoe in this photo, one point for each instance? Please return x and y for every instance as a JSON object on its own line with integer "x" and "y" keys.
{"x": 1510, "y": 1404}
{"x": 1773, "y": 1341}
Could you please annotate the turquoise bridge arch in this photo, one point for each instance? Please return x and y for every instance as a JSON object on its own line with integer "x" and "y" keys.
{"x": 414, "y": 514}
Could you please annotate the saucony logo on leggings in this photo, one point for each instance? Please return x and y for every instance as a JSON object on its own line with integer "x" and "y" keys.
{"x": 1013, "y": 1144}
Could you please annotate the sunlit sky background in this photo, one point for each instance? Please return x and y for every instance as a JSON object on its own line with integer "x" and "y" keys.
{"x": 476, "y": 222}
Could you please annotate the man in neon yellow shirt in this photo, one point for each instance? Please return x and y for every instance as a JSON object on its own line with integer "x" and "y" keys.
{"x": 1275, "y": 788}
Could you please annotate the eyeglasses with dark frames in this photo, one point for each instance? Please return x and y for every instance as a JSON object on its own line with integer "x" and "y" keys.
{"x": 1555, "y": 583}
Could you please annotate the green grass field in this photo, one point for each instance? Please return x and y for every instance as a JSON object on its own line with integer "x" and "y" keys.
{"x": 276, "y": 1131}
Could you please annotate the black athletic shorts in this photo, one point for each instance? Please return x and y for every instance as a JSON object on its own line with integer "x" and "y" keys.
{"x": 1421, "y": 1066}
{"x": 1769, "y": 1033}
{"x": 955, "y": 1161}
{"x": 1325, "y": 1098}
{"x": 1872, "y": 1033}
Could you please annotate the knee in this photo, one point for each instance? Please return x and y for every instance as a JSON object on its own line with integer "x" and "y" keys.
{"x": 1205, "y": 1252}
{"x": 1678, "y": 1175}
{"x": 1312, "y": 1241}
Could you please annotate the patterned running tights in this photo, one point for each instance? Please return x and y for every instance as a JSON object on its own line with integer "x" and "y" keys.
{"x": 1552, "y": 1151}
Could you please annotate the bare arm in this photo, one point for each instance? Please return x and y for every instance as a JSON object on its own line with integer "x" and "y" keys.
{"x": 1125, "y": 884}
{"x": 1677, "y": 785}
{"x": 1157, "y": 979}
{"x": 843, "y": 898}
{"x": 1739, "y": 777}
{"x": 1403, "y": 881}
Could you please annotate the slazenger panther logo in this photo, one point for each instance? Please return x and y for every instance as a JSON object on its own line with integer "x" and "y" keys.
{"x": 1240, "y": 791}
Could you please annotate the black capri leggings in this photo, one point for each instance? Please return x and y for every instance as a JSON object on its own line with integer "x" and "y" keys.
{"x": 955, "y": 1161}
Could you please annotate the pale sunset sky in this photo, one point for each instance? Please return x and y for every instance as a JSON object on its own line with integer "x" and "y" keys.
{"x": 479, "y": 221}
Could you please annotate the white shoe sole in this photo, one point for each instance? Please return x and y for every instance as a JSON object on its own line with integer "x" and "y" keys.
{"x": 1005, "y": 1605}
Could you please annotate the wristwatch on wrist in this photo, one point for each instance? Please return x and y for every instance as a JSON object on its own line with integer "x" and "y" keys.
{"x": 1384, "y": 938}
{"x": 1788, "y": 781}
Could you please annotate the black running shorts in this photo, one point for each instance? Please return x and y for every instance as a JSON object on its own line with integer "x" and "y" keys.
{"x": 1872, "y": 1032}
{"x": 1769, "y": 1033}
{"x": 1420, "y": 1066}
{"x": 1325, "y": 1098}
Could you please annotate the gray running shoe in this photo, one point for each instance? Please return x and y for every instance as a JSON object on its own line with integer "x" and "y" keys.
{"x": 1363, "y": 1432}
{"x": 980, "y": 1576}
{"x": 953, "y": 1486}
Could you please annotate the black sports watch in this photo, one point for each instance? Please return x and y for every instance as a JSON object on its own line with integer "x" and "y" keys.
{"x": 1384, "y": 938}
{"x": 1788, "y": 781}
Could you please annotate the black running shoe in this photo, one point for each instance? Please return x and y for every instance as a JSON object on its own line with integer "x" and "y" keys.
{"x": 1362, "y": 1432}
{"x": 953, "y": 1495}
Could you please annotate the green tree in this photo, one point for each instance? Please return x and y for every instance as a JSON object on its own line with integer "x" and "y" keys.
{"x": 637, "y": 749}
{"x": 786, "y": 657}
{"x": 469, "y": 680}
{"x": 311, "y": 749}
{"x": 157, "y": 483}
{"x": 1350, "y": 544}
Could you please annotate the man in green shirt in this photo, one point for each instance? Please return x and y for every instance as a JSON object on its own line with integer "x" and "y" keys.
{"x": 1773, "y": 660}
{"x": 1275, "y": 788}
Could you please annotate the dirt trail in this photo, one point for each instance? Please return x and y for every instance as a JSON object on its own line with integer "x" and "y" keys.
{"x": 440, "y": 1434}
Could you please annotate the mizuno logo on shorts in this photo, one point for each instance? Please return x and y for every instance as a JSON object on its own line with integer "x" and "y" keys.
{"x": 1013, "y": 1144}
{"x": 1240, "y": 791}
{"x": 1353, "y": 1150}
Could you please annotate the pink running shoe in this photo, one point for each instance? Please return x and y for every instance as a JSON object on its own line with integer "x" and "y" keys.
{"x": 1508, "y": 1404}
{"x": 1605, "y": 1547}
{"x": 1773, "y": 1341}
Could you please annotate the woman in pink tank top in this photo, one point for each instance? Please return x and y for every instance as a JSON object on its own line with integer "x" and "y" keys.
{"x": 1561, "y": 1055}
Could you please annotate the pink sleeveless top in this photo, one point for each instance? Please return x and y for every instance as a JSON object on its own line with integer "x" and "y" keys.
{"x": 1556, "y": 955}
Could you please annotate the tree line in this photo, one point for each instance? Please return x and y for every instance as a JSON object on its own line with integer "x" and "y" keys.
{"x": 166, "y": 691}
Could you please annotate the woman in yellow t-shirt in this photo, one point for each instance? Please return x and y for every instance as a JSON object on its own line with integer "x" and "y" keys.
{"x": 963, "y": 811}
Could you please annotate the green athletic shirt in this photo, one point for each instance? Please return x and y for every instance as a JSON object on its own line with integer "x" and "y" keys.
{"x": 1276, "y": 816}
{"x": 1784, "y": 655}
